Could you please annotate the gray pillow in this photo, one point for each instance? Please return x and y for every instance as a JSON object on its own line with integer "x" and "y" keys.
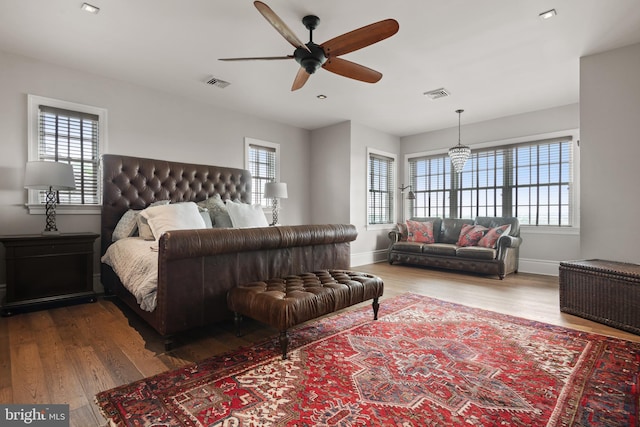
{"x": 217, "y": 211}
{"x": 126, "y": 227}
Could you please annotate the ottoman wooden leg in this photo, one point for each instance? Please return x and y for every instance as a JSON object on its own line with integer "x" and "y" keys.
{"x": 237, "y": 321}
{"x": 376, "y": 306}
{"x": 284, "y": 343}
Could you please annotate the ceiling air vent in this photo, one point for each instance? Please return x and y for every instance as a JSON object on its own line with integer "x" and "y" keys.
{"x": 438, "y": 93}
{"x": 217, "y": 82}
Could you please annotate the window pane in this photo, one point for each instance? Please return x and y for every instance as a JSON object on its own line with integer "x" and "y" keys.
{"x": 380, "y": 209}
{"x": 530, "y": 181}
{"x": 262, "y": 165}
{"x": 71, "y": 137}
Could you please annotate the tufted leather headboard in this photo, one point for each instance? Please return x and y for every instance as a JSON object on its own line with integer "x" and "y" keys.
{"x": 135, "y": 183}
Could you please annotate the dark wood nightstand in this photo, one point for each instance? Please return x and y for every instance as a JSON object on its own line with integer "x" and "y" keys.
{"x": 43, "y": 270}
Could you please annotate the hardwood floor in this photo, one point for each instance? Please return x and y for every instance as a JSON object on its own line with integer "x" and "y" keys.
{"x": 68, "y": 354}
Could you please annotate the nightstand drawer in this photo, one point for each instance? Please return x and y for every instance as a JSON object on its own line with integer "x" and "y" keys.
{"x": 49, "y": 249}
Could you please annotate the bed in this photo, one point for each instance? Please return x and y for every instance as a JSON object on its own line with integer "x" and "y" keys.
{"x": 197, "y": 267}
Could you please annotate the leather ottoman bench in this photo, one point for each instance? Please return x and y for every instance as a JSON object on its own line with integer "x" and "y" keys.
{"x": 286, "y": 302}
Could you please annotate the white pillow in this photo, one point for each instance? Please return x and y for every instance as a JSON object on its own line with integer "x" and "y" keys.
{"x": 206, "y": 218}
{"x": 144, "y": 230}
{"x": 130, "y": 223}
{"x": 178, "y": 216}
{"x": 244, "y": 215}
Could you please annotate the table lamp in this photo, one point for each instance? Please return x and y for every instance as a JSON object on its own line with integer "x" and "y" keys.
{"x": 275, "y": 191}
{"x": 49, "y": 176}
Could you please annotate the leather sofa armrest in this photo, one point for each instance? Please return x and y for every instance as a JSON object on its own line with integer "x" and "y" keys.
{"x": 509, "y": 242}
{"x": 395, "y": 236}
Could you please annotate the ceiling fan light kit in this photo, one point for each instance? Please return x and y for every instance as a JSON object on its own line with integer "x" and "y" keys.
{"x": 311, "y": 56}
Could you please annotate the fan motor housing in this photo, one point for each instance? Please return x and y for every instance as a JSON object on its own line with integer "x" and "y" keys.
{"x": 310, "y": 61}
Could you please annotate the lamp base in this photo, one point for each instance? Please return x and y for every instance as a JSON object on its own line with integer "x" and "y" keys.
{"x": 274, "y": 212}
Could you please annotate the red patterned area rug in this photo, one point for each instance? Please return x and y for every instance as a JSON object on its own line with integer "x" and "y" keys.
{"x": 425, "y": 362}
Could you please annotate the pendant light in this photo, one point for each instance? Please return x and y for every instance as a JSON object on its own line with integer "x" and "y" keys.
{"x": 460, "y": 153}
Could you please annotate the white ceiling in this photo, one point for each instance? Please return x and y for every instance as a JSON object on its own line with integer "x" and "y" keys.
{"x": 496, "y": 57}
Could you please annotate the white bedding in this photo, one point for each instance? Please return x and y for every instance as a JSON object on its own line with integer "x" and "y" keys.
{"x": 135, "y": 261}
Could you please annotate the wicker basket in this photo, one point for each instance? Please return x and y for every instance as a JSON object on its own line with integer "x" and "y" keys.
{"x": 607, "y": 292}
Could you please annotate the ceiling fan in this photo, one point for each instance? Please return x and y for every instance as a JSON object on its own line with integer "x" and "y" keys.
{"x": 312, "y": 56}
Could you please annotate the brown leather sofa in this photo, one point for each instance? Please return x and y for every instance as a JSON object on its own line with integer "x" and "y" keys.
{"x": 444, "y": 253}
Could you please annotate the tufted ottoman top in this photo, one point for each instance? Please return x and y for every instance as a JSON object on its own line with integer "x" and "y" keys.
{"x": 291, "y": 300}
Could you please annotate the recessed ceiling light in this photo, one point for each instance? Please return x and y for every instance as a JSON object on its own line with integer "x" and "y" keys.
{"x": 90, "y": 8}
{"x": 548, "y": 14}
{"x": 321, "y": 96}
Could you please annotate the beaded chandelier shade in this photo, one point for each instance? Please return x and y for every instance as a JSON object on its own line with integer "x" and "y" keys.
{"x": 460, "y": 153}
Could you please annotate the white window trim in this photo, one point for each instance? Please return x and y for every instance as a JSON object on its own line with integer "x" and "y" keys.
{"x": 389, "y": 225}
{"x": 33, "y": 101}
{"x": 575, "y": 193}
{"x": 252, "y": 141}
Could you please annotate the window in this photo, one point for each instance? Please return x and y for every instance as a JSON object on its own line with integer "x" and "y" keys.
{"x": 263, "y": 161}
{"x": 68, "y": 133}
{"x": 532, "y": 181}
{"x": 381, "y": 182}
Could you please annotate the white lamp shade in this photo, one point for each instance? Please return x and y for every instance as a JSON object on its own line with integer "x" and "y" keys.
{"x": 44, "y": 175}
{"x": 275, "y": 190}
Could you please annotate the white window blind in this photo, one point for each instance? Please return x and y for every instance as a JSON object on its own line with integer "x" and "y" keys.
{"x": 71, "y": 137}
{"x": 531, "y": 181}
{"x": 381, "y": 189}
{"x": 262, "y": 165}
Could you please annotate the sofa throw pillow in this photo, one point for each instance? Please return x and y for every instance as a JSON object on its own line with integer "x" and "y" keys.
{"x": 418, "y": 231}
{"x": 244, "y": 215}
{"x": 177, "y": 216}
{"x": 471, "y": 234}
{"x": 490, "y": 239}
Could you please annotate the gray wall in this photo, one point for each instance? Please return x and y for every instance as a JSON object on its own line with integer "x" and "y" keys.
{"x": 330, "y": 174}
{"x": 610, "y": 117}
{"x": 339, "y": 183}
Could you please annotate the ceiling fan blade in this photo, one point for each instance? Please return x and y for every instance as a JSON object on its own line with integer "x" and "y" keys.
{"x": 279, "y": 25}
{"x": 300, "y": 80}
{"x": 362, "y": 37}
{"x": 257, "y": 58}
{"x": 352, "y": 70}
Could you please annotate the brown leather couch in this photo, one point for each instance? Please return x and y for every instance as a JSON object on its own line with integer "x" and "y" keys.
{"x": 444, "y": 253}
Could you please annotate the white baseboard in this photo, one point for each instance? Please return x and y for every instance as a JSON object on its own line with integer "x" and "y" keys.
{"x": 539, "y": 266}
{"x": 97, "y": 284}
{"x": 364, "y": 258}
